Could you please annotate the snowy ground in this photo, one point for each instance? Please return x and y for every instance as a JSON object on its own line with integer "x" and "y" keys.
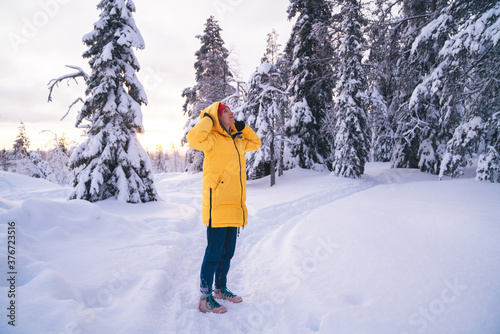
{"x": 394, "y": 252}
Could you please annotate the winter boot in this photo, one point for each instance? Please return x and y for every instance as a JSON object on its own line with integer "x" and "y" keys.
{"x": 227, "y": 295}
{"x": 209, "y": 304}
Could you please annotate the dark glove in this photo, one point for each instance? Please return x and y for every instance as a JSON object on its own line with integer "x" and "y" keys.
{"x": 239, "y": 125}
{"x": 207, "y": 115}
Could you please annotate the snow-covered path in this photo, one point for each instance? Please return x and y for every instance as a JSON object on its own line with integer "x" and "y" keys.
{"x": 394, "y": 252}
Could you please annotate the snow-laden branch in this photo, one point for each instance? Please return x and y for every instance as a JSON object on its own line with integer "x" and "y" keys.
{"x": 410, "y": 133}
{"x": 409, "y": 18}
{"x": 474, "y": 65}
{"x": 55, "y": 82}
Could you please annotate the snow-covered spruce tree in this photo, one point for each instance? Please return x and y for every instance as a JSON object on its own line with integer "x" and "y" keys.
{"x": 213, "y": 78}
{"x": 175, "y": 160}
{"x": 266, "y": 100}
{"x": 36, "y": 166}
{"x": 468, "y": 75}
{"x": 311, "y": 83}
{"x": 21, "y": 144}
{"x": 379, "y": 120}
{"x": 272, "y": 54}
{"x": 25, "y": 162}
{"x": 159, "y": 160}
{"x": 4, "y": 160}
{"x": 111, "y": 163}
{"x": 488, "y": 167}
{"x": 459, "y": 96}
{"x": 249, "y": 110}
{"x": 435, "y": 118}
{"x": 279, "y": 75}
{"x": 351, "y": 145}
{"x": 264, "y": 109}
{"x": 58, "y": 160}
{"x": 412, "y": 66}
{"x": 383, "y": 54}
{"x": 283, "y": 67}
{"x": 20, "y": 157}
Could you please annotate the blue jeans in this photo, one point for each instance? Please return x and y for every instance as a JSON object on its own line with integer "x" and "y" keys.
{"x": 218, "y": 255}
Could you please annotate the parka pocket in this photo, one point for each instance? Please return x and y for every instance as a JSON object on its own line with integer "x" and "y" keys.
{"x": 222, "y": 192}
{"x": 218, "y": 187}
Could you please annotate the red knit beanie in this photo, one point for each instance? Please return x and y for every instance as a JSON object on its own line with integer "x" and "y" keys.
{"x": 222, "y": 106}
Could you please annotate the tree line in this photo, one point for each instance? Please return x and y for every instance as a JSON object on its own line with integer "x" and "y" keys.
{"x": 53, "y": 164}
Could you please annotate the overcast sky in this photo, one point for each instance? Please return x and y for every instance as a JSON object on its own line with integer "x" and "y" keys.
{"x": 39, "y": 38}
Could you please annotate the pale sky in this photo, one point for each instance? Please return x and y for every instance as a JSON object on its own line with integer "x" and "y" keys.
{"x": 39, "y": 38}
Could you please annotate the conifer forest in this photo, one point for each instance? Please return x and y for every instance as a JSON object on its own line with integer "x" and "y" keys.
{"x": 414, "y": 83}
{"x": 410, "y": 82}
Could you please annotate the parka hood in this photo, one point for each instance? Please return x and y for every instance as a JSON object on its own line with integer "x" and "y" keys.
{"x": 212, "y": 110}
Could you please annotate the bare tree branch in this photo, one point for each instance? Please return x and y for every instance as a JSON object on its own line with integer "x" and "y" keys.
{"x": 71, "y": 105}
{"x": 55, "y": 82}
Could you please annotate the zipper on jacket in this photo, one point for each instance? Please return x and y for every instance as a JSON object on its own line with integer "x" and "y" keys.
{"x": 241, "y": 184}
{"x": 210, "y": 219}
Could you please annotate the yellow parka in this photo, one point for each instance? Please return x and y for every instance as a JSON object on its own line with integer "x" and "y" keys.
{"x": 224, "y": 176}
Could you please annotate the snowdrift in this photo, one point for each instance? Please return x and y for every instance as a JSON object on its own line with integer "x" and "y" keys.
{"x": 394, "y": 252}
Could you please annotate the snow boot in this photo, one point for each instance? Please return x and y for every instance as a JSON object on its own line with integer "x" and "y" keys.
{"x": 209, "y": 304}
{"x": 227, "y": 295}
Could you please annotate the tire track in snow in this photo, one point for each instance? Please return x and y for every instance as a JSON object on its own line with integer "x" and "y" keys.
{"x": 293, "y": 211}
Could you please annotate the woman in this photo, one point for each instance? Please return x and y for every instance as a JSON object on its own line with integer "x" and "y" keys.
{"x": 224, "y": 143}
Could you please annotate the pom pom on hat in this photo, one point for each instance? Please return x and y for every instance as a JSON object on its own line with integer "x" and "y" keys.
{"x": 222, "y": 106}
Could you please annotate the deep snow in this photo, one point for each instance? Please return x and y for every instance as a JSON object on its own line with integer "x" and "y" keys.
{"x": 393, "y": 252}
